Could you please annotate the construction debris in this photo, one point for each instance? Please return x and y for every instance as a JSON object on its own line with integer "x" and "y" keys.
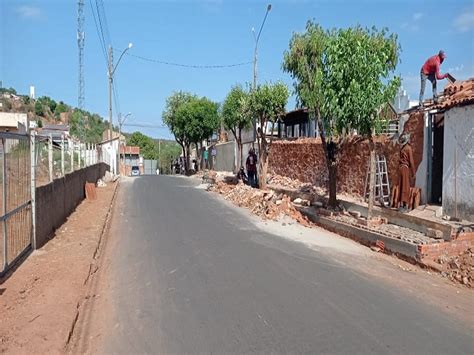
{"x": 459, "y": 268}
{"x": 265, "y": 204}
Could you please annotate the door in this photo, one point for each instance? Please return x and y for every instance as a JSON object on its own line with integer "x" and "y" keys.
{"x": 437, "y": 160}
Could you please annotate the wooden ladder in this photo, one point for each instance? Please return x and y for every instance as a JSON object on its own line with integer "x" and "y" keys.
{"x": 382, "y": 183}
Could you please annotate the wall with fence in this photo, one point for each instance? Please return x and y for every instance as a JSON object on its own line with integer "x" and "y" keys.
{"x": 57, "y": 200}
{"x": 54, "y": 158}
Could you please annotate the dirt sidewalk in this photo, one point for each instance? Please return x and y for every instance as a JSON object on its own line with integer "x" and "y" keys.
{"x": 39, "y": 301}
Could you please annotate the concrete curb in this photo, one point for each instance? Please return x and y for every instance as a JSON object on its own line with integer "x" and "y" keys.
{"x": 363, "y": 236}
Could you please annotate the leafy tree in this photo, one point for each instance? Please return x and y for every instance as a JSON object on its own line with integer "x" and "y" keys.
{"x": 47, "y": 101}
{"x": 60, "y": 108}
{"x": 267, "y": 103}
{"x": 177, "y": 122}
{"x": 148, "y": 148}
{"x": 343, "y": 76}
{"x": 8, "y": 91}
{"x": 169, "y": 152}
{"x": 39, "y": 109}
{"x": 202, "y": 119}
{"x": 234, "y": 116}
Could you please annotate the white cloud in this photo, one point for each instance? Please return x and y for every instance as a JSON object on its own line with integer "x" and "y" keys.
{"x": 465, "y": 21}
{"x": 413, "y": 24}
{"x": 29, "y": 12}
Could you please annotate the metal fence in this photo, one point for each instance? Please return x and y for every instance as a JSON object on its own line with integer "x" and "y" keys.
{"x": 26, "y": 162}
{"x": 16, "y": 218}
{"x": 56, "y": 157}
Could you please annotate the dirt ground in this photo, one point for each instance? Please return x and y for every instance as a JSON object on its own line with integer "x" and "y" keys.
{"x": 39, "y": 300}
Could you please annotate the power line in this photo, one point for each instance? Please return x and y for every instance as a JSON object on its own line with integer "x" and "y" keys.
{"x": 144, "y": 125}
{"x": 194, "y": 66}
{"x": 102, "y": 44}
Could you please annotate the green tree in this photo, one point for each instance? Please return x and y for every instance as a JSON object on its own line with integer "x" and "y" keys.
{"x": 202, "y": 119}
{"x": 235, "y": 117}
{"x": 267, "y": 103}
{"x": 168, "y": 153}
{"x": 60, "y": 108}
{"x": 344, "y": 77}
{"x": 47, "y": 101}
{"x": 177, "y": 122}
{"x": 39, "y": 109}
{"x": 148, "y": 147}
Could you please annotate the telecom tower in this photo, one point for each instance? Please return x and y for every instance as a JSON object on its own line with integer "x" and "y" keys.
{"x": 80, "y": 44}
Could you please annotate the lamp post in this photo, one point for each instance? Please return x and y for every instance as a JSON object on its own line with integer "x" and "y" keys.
{"x": 111, "y": 72}
{"x": 121, "y": 121}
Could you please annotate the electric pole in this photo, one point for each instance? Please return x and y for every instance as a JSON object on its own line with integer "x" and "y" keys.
{"x": 80, "y": 45}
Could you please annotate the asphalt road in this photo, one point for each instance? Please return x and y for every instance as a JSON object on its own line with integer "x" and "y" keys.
{"x": 193, "y": 275}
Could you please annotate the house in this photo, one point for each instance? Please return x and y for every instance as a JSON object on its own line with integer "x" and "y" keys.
{"x": 13, "y": 122}
{"x": 108, "y": 153}
{"x": 442, "y": 134}
{"x": 129, "y": 157}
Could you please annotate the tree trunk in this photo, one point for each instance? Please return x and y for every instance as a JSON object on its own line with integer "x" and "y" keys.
{"x": 371, "y": 179}
{"x": 263, "y": 167}
{"x": 332, "y": 170}
{"x": 241, "y": 153}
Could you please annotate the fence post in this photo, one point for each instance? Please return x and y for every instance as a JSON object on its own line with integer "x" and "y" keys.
{"x": 62, "y": 155}
{"x": 33, "y": 188}
{"x": 88, "y": 147}
{"x": 71, "y": 149}
{"x": 50, "y": 157}
{"x": 4, "y": 202}
{"x": 80, "y": 155}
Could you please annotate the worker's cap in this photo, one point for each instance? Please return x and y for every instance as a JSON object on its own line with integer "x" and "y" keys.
{"x": 442, "y": 54}
{"x": 404, "y": 138}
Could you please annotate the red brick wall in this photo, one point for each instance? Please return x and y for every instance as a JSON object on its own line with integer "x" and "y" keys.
{"x": 415, "y": 126}
{"x": 303, "y": 159}
{"x": 452, "y": 248}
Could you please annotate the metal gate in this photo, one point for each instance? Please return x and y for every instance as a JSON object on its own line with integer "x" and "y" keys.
{"x": 16, "y": 207}
{"x": 149, "y": 167}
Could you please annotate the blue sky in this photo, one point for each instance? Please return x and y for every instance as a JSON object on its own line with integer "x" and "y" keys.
{"x": 38, "y": 45}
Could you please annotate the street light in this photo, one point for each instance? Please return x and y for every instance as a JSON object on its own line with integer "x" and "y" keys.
{"x": 257, "y": 38}
{"x": 111, "y": 73}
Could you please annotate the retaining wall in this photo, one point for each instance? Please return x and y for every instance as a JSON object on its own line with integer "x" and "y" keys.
{"x": 58, "y": 199}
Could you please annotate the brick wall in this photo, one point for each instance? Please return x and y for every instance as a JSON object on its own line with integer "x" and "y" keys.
{"x": 433, "y": 251}
{"x": 303, "y": 159}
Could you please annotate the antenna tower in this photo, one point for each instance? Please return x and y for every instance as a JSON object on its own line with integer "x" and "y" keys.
{"x": 80, "y": 45}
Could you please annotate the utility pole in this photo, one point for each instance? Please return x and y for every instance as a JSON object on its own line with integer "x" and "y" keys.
{"x": 255, "y": 57}
{"x": 111, "y": 60}
{"x": 80, "y": 45}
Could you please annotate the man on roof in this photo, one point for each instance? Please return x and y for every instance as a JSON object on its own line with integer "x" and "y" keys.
{"x": 430, "y": 71}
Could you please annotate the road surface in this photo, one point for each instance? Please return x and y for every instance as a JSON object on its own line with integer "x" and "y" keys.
{"x": 191, "y": 274}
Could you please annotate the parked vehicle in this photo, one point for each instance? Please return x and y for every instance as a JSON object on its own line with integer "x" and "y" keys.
{"x": 135, "y": 171}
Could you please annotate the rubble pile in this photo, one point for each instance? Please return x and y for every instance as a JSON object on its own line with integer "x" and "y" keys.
{"x": 459, "y": 268}
{"x": 265, "y": 204}
{"x": 289, "y": 183}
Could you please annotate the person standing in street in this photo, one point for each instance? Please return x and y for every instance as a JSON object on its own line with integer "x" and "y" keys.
{"x": 206, "y": 158}
{"x": 406, "y": 167}
{"x": 430, "y": 71}
{"x": 251, "y": 165}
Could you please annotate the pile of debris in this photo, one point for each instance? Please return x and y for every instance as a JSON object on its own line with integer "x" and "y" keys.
{"x": 265, "y": 204}
{"x": 459, "y": 268}
{"x": 289, "y": 183}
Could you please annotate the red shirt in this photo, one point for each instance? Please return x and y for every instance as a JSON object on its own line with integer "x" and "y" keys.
{"x": 431, "y": 66}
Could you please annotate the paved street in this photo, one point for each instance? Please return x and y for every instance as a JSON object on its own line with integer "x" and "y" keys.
{"x": 191, "y": 274}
